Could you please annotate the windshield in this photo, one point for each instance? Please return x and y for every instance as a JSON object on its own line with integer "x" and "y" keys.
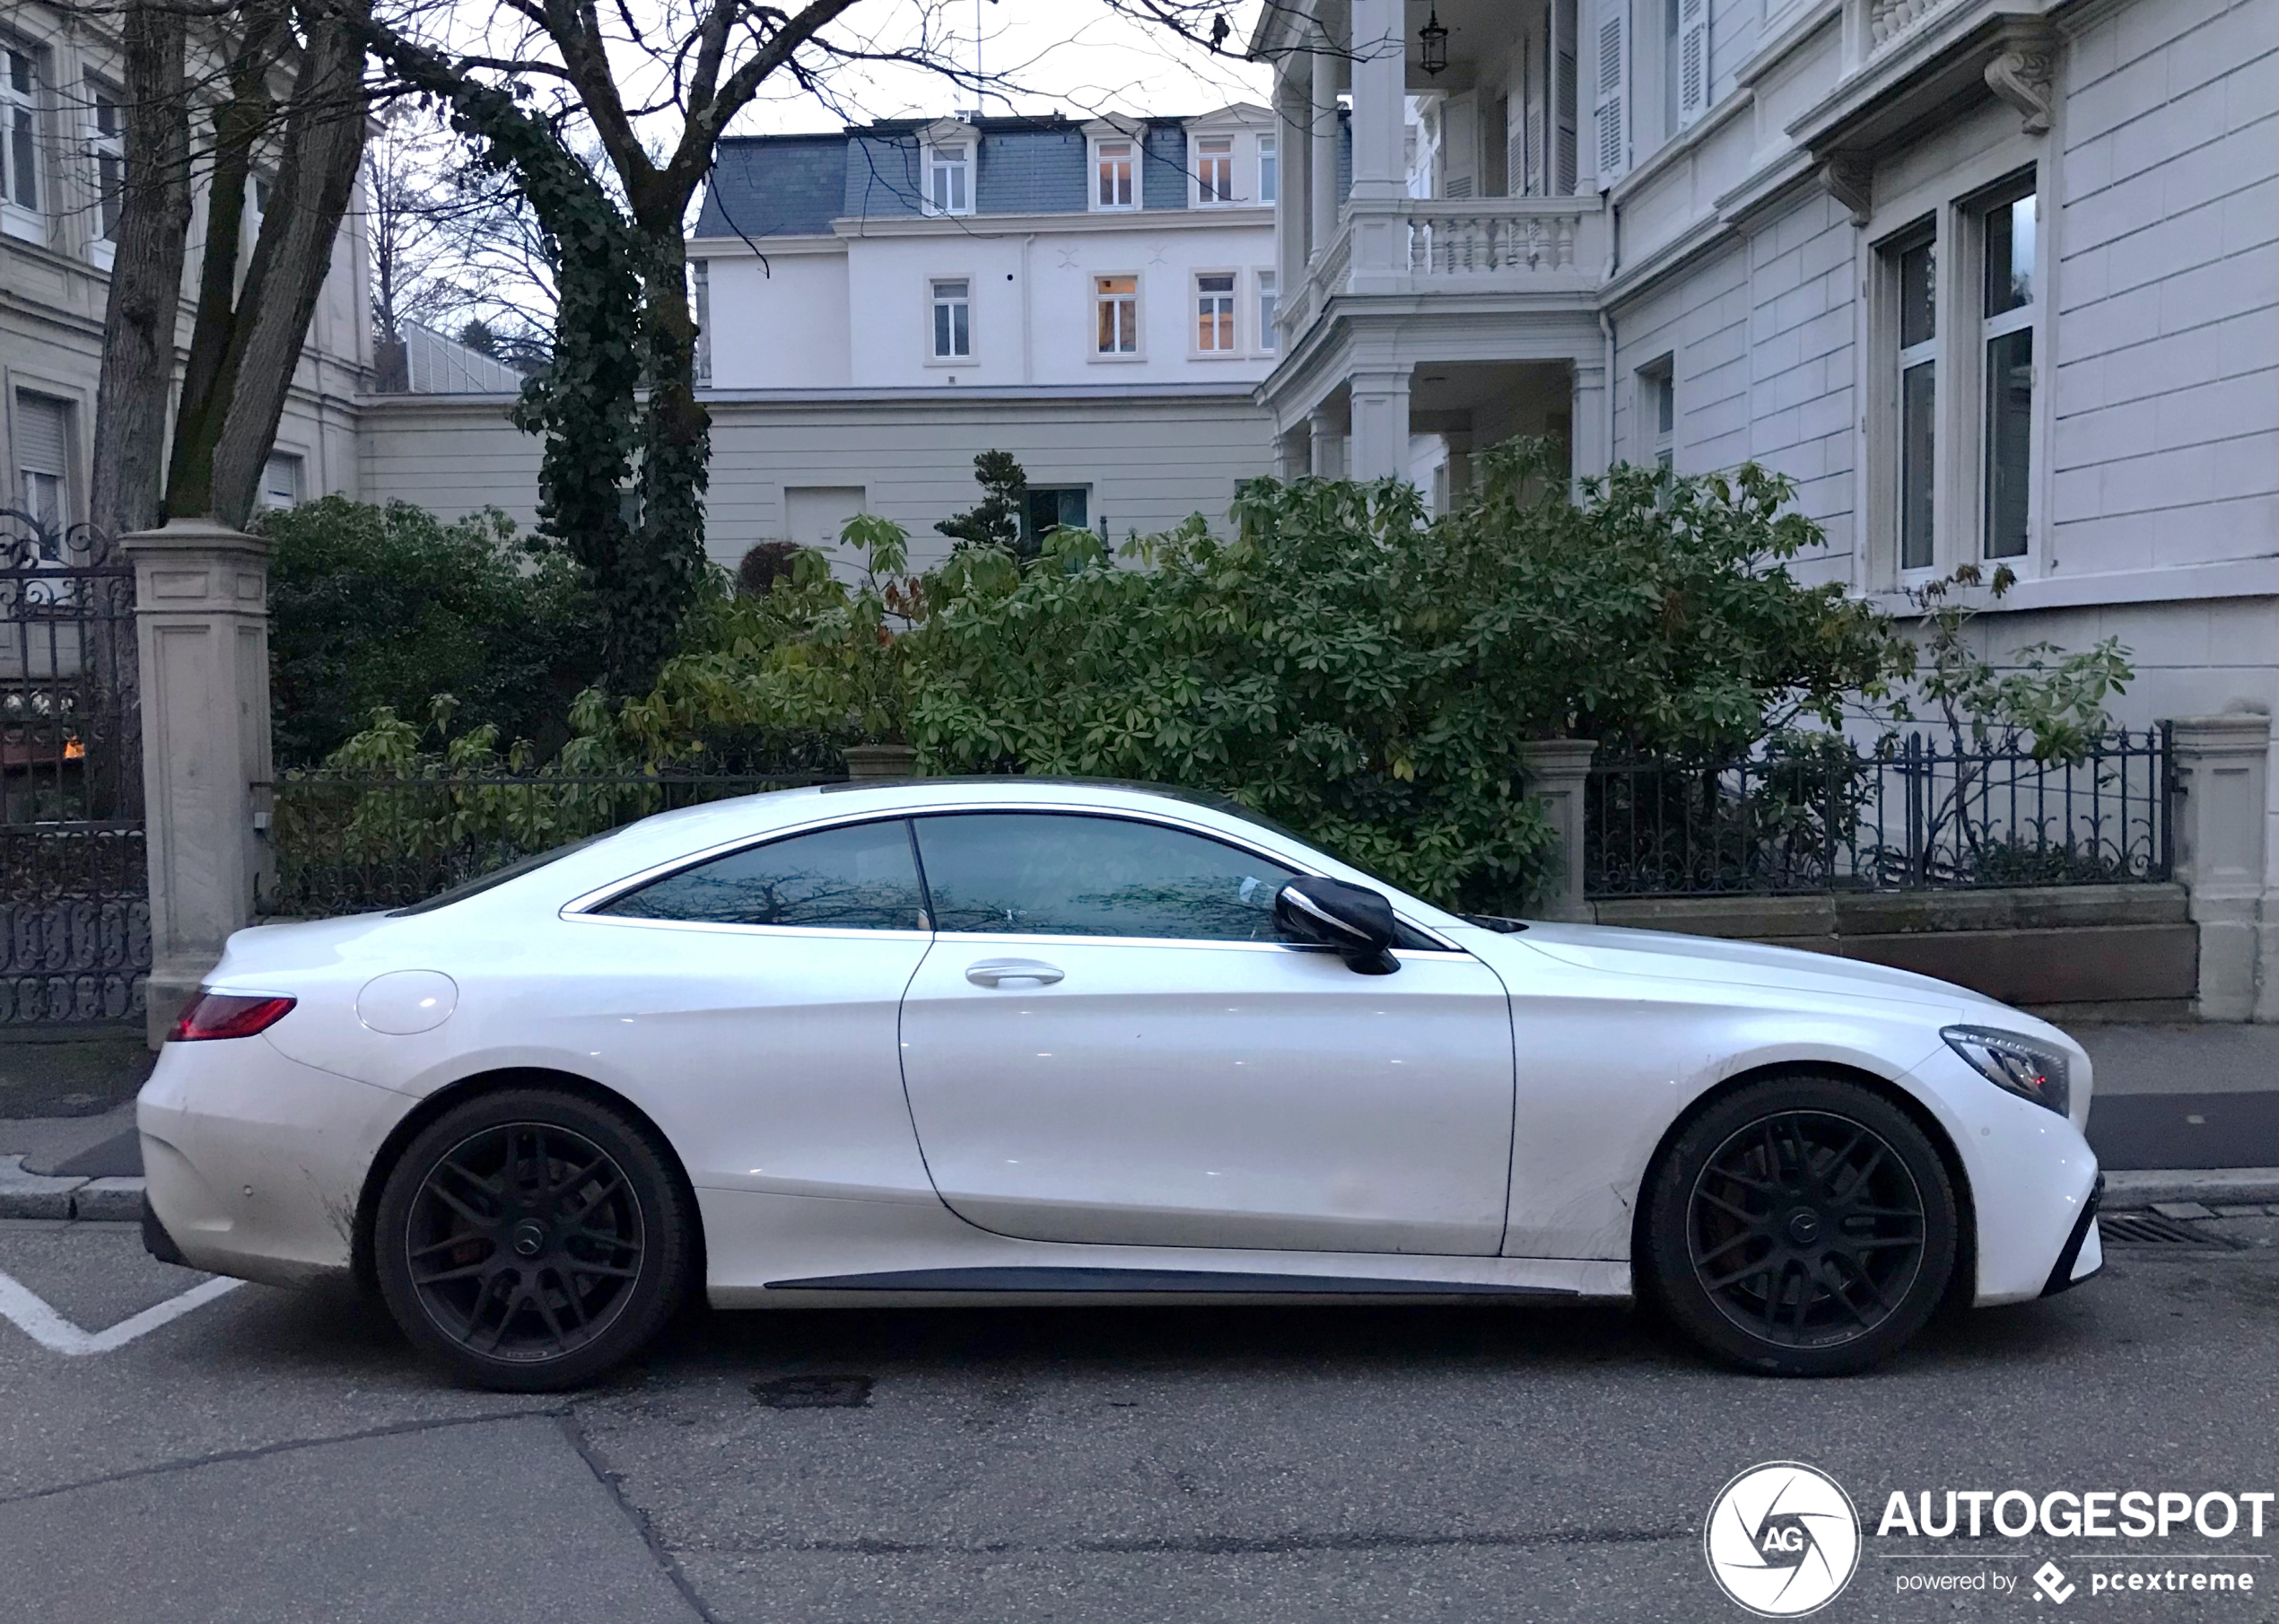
{"x": 498, "y": 877}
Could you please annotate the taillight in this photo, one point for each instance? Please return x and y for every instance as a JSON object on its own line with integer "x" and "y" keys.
{"x": 227, "y": 1015}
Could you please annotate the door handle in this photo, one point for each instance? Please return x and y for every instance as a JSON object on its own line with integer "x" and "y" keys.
{"x": 997, "y": 972}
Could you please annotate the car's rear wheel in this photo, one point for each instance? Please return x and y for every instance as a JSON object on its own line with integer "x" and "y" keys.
{"x": 1801, "y": 1225}
{"x": 532, "y": 1239}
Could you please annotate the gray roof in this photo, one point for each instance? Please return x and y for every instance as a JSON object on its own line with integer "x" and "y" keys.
{"x": 784, "y": 186}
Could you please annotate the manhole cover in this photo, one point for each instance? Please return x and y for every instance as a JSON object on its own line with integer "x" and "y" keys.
{"x": 813, "y": 1393}
{"x": 2150, "y": 1229}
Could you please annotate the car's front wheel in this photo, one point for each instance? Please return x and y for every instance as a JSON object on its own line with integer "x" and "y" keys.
{"x": 1801, "y": 1225}
{"x": 532, "y": 1238}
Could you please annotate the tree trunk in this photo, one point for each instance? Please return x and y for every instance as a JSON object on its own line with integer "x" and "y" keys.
{"x": 145, "y": 300}
{"x": 676, "y": 445}
{"x": 238, "y": 122}
{"x": 324, "y": 147}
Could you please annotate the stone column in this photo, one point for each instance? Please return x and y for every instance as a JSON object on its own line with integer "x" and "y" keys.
{"x": 1380, "y": 100}
{"x": 2222, "y": 766}
{"x": 1380, "y": 425}
{"x": 1320, "y": 177}
{"x": 881, "y": 760}
{"x": 202, "y": 631}
{"x": 1588, "y": 452}
{"x": 1557, "y": 770}
{"x": 1325, "y": 440}
{"x": 1293, "y": 134}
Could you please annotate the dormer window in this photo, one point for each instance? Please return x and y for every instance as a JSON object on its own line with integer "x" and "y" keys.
{"x": 949, "y": 179}
{"x": 1112, "y": 174}
{"x": 1214, "y": 170}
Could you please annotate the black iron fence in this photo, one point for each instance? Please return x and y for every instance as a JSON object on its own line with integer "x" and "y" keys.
{"x": 74, "y": 905}
{"x": 1918, "y": 815}
{"x": 350, "y": 842}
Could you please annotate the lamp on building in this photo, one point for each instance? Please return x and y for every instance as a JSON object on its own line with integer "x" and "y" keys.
{"x": 1433, "y": 42}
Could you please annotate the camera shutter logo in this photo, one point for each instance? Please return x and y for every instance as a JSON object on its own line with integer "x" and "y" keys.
{"x": 1782, "y": 1540}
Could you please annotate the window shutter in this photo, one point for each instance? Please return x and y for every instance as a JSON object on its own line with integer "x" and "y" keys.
{"x": 1693, "y": 60}
{"x": 1460, "y": 148}
{"x": 1609, "y": 112}
{"x": 40, "y": 424}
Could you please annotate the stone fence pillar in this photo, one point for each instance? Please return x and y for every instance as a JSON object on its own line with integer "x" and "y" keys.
{"x": 2222, "y": 766}
{"x": 1557, "y": 770}
{"x": 202, "y": 631}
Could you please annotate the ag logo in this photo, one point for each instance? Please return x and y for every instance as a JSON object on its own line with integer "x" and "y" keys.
{"x": 1782, "y": 1540}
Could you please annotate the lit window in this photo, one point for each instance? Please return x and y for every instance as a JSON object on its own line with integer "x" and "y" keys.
{"x": 1917, "y": 275}
{"x": 1113, "y": 190}
{"x": 1267, "y": 302}
{"x": 1214, "y": 170}
{"x": 949, "y": 181}
{"x": 1215, "y": 313}
{"x": 1270, "y": 166}
{"x": 281, "y": 480}
{"x": 952, "y": 337}
{"x": 1117, "y": 301}
{"x": 2007, "y": 331}
{"x": 20, "y": 129}
{"x": 106, "y": 146}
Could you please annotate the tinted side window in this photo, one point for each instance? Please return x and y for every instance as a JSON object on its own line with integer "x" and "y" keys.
{"x": 1066, "y": 875}
{"x": 857, "y": 878}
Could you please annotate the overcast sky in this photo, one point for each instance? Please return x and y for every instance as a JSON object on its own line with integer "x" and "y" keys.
{"x": 1077, "y": 57}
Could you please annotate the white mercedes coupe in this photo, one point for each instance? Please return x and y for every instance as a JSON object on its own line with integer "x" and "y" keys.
{"x": 1034, "y": 1041}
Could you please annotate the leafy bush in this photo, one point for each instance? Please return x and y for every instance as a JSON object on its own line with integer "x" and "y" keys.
{"x": 1369, "y": 677}
{"x": 766, "y": 565}
{"x": 375, "y": 605}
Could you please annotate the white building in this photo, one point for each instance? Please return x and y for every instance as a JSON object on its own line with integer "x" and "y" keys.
{"x": 62, "y": 156}
{"x": 1993, "y": 284}
{"x": 881, "y": 305}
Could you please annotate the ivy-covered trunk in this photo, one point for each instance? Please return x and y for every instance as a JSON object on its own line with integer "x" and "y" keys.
{"x": 675, "y": 447}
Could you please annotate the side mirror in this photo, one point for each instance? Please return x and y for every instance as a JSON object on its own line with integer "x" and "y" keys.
{"x": 1353, "y": 920}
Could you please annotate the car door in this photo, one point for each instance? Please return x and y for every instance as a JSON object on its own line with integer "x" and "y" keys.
{"x": 755, "y": 993}
{"x": 1107, "y": 1043}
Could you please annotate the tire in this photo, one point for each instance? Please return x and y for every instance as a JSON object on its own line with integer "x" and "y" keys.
{"x": 1802, "y": 1226}
{"x": 532, "y": 1239}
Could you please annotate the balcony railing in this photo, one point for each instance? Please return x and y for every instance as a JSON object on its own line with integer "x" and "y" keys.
{"x": 1417, "y": 245}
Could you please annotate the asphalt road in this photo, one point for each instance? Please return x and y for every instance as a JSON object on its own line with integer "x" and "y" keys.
{"x": 280, "y": 1456}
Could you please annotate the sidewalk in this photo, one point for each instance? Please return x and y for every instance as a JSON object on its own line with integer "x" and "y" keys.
{"x": 2182, "y": 1113}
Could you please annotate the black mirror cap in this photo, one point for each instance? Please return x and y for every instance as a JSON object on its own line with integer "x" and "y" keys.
{"x": 1354, "y": 921}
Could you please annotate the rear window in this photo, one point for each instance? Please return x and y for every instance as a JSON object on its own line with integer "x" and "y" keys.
{"x": 499, "y": 877}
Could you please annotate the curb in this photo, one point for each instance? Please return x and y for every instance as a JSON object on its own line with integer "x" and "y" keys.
{"x": 30, "y": 1195}
{"x": 2141, "y": 1189}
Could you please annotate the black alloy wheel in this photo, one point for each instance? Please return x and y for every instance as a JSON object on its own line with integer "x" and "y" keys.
{"x": 532, "y": 1239}
{"x": 1803, "y": 1227}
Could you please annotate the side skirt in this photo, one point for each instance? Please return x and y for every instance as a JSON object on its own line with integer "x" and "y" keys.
{"x": 1149, "y": 1281}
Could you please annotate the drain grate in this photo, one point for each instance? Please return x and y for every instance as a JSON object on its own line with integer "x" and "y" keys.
{"x": 2150, "y": 1229}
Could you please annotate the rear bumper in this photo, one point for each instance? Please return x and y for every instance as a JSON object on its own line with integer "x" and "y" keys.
{"x": 253, "y": 1162}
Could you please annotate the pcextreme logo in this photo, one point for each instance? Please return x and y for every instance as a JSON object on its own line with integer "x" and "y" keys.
{"x": 1782, "y": 1540}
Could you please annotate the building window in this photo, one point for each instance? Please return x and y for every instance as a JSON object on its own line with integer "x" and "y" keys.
{"x": 19, "y": 132}
{"x": 949, "y": 181}
{"x": 953, "y": 319}
{"x": 107, "y": 148}
{"x": 2007, "y": 332}
{"x": 700, "y": 282}
{"x": 43, "y": 459}
{"x": 1214, "y": 170}
{"x": 1658, "y": 411}
{"x": 1915, "y": 276}
{"x": 280, "y": 480}
{"x": 1111, "y": 168}
{"x": 1116, "y": 301}
{"x": 1270, "y": 169}
{"x": 1268, "y": 336}
{"x": 1051, "y": 508}
{"x": 1215, "y": 312}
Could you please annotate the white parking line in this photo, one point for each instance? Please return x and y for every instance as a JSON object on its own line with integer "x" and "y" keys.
{"x": 29, "y": 1312}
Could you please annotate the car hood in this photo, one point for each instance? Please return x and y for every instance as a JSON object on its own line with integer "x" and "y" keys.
{"x": 1617, "y": 951}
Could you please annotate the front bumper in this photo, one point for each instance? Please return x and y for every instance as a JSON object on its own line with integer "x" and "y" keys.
{"x": 2084, "y": 1253}
{"x": 253, "y": 1162}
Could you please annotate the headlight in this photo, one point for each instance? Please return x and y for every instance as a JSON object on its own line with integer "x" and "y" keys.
{"x": 2021, "y": 1064}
